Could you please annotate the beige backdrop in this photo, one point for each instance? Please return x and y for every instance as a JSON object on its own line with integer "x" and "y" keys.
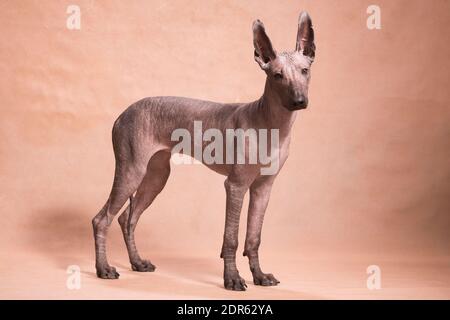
{"x": 367, "y": 181}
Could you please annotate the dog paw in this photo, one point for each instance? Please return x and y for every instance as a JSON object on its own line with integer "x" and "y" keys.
{"x": 107, "y": 272}
{"x": 265, "y": 279}
{"x": 235, "y": 283}
{"x": 143, "y": 266}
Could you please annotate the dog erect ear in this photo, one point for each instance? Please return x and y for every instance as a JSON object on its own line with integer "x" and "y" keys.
{"x": 305, "y": 36}
{"x": 264, "y": 52}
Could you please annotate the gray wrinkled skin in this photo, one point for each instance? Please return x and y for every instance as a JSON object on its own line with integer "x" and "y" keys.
{"x": 142, "y": 146}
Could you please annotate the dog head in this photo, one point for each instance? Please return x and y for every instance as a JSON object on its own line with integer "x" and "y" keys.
{"x": 288, "y": 73}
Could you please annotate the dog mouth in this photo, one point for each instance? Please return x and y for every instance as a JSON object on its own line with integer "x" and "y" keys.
{"x": 295, "y": 107}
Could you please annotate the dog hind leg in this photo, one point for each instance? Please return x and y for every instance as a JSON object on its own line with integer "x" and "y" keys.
{"x": 158, "y": 171}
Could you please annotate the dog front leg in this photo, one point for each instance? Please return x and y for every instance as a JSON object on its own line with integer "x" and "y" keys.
{"x": 259, "y": 199}
{"x": 235, "y": 195}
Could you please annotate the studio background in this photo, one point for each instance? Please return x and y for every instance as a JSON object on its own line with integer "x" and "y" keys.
{"x": 367, "y": 181}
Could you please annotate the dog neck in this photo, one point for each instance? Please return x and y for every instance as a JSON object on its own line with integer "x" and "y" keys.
{"x": 275, "y": 114}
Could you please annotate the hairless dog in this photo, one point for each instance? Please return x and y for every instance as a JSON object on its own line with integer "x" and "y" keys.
{"x": 143, "y": 146}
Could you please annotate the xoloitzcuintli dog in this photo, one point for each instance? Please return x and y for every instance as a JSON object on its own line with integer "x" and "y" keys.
{"x": 142, "y": 145}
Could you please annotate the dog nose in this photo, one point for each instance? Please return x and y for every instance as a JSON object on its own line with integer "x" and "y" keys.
{"x": 300, "y": 103}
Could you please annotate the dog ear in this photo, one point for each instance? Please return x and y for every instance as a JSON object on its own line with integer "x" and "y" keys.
{"x": 305, "y": 36}
{"x": 264, "y": 52}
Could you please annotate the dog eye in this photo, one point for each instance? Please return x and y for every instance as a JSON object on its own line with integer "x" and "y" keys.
{"x": 278, "y": 75}
{"x": 305, "y": 71}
